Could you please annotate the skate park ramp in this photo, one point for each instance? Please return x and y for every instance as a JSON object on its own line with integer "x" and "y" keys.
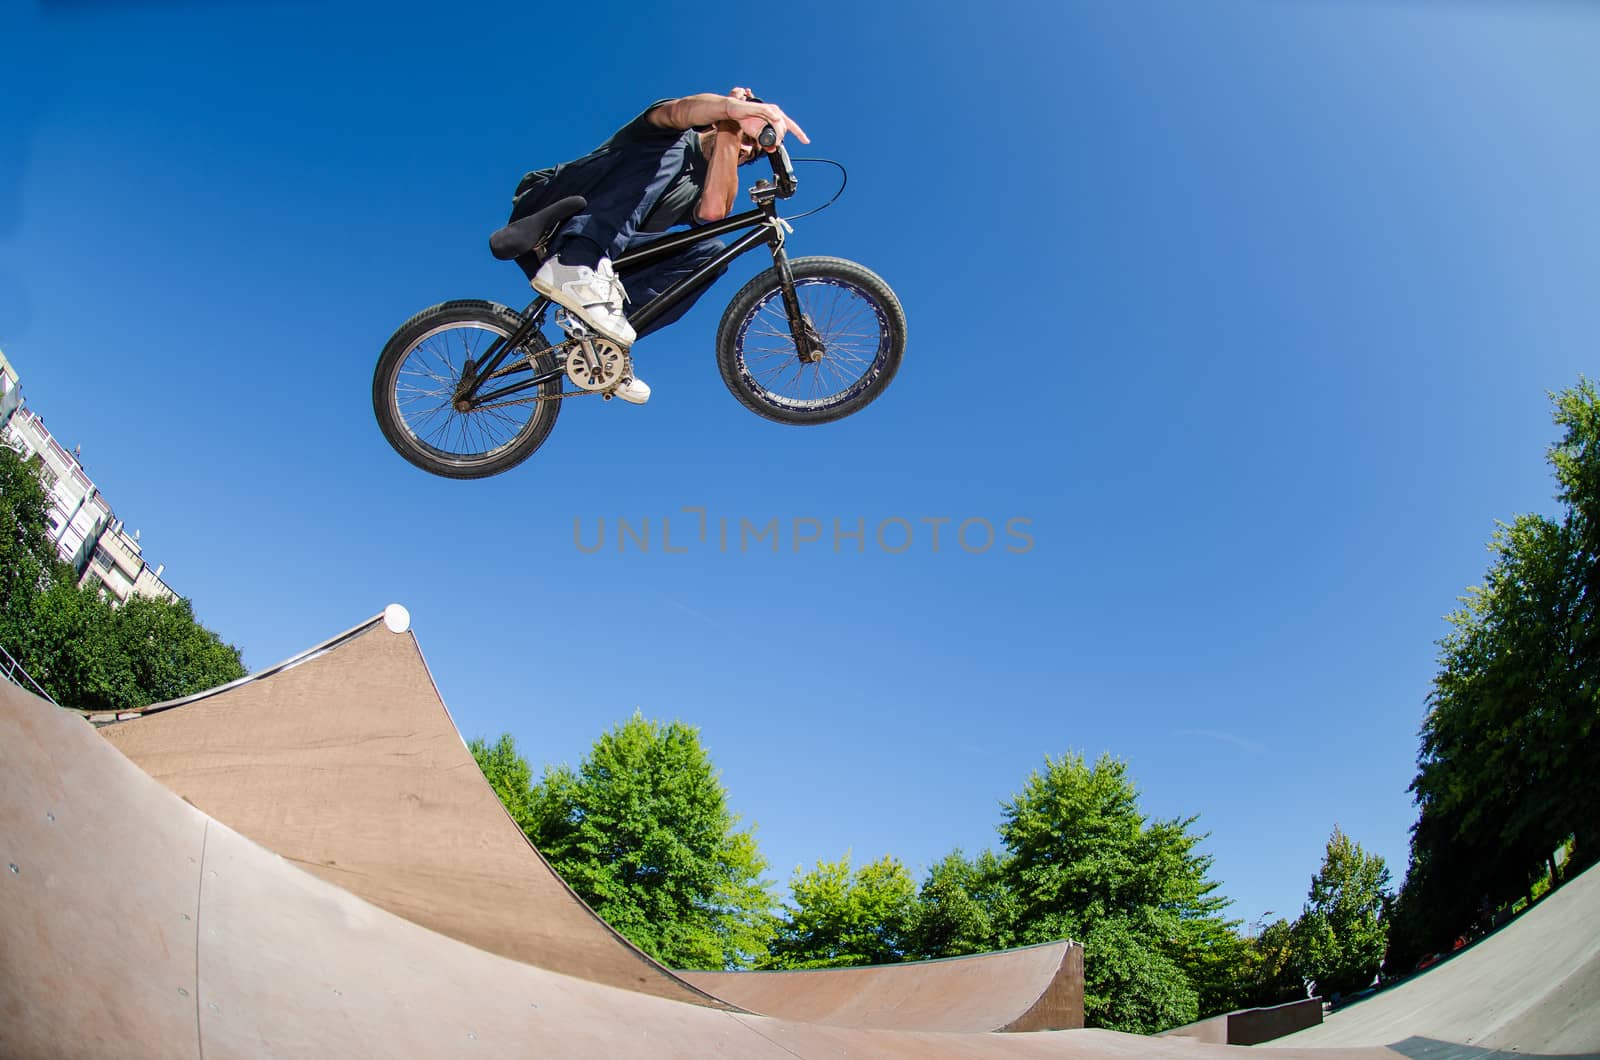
{"x": 134, "y": 925}
{"x": 345, "y": 760}
{"x": 1027, "y": 989}
{"x": 1531, "y": 987}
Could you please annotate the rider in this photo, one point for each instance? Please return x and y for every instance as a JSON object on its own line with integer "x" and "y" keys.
{"x": 673, "y": 164}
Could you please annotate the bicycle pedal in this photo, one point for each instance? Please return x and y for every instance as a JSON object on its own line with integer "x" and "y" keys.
{"x": 572, "y": 325}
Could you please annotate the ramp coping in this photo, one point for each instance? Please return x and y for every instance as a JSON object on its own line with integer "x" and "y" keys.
{"x": 287, "y": 664}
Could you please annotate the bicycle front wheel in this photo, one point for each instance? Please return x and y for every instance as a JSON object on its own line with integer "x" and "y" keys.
{"x": 855, "y": 314}
{"x": 414, "y": 391}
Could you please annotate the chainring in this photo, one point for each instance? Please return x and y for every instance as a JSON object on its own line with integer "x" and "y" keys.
{"x": 595, "y": 365}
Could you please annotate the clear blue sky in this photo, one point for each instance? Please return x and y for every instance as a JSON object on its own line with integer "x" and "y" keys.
{"x": 1250, "y": 308}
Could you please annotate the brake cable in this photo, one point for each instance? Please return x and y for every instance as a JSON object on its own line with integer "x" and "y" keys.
{"x": 844, "y": 178}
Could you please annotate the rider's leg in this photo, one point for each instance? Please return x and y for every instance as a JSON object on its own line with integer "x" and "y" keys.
{"x": 644, "y": 284}
{"x": 579, "y": 274}
{"x": 618, "y": 207}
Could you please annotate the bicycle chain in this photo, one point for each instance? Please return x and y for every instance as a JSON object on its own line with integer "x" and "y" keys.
{"x": 542, "y": 397}
{"x": 532, "y": 356}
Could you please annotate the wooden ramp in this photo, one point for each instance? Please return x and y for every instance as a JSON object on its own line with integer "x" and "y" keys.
{"x": 134, "y": 925}
{"x": 1029, "y": 989}
{"x": 1533, "y": 987}
{"x": 347, "y": 762}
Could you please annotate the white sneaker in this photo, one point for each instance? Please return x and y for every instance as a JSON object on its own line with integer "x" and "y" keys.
{"x": 594, "y": 296}
{"x": 633, "y": 390}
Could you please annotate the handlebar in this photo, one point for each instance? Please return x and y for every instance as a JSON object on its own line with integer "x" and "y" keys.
{"x": 782, "y": 168}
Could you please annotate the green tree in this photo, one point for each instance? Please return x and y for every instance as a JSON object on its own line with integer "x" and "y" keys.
{"x": 90, "y": 655}
{"x": 1130, "y": 984}
{"x": 71, "y": 649}
{"x": 1340, "y": 938}
{"x": 509, "y": 775}
{"x": 964, "y": 907}
{"x": 1509, "y": 765}
{"x": 1492, "y": 787}
{"x": 27, "y": 557}
{"x": 70, "y": 639}
{"x": 642, "y": 831}
{"x": 169, "y": 653}
{"x": 1216, "y": 960}
{"x": 1272, "y": 968}
{"x": 1576, "y": 726}
{"x": 842, "y": 917}
{"x": 1087, "y": 864}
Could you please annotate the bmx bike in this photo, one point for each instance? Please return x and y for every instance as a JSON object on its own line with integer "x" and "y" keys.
{"x": 471, "y": 388}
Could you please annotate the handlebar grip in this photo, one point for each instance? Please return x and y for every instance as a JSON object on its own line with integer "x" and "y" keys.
{"x": 768, "y": 137}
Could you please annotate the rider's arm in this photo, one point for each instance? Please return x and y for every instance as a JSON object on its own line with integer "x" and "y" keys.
{"x": 708, "y": 108}
{"x": 692, "y": 112}
{"x": 722, "y": 174}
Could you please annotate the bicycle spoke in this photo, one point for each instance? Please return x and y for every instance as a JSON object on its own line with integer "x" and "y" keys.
{"x": 852, "y": 334}
{"x": 424, "y": 397}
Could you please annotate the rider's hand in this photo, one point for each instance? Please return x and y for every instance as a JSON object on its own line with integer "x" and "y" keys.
{"x": 753, "y": 117}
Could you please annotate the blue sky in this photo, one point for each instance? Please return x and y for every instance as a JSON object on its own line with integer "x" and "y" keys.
{"x": 1249, "y": 309}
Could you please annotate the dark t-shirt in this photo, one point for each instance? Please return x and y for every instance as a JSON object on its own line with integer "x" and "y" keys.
{"x": 676, "y": 204}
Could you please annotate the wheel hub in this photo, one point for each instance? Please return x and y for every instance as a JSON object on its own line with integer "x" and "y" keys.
{"x": 811, "y": 349}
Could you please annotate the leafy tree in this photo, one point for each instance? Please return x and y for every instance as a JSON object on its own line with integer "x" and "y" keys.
{"x": 1509, "y": 766}
{"x": 1576, "y": 460}
{"x": 508, "y": 774}
{"x": 964, "y": 907}
{"x": 642, "y": 831}
{"x": 1087, "y": 864}
{"x": 80, "y": 649}
{"x": 1216, "y": 960}
{"x": 1340, "y": 937}
{"x": 71, "y": 649}
{"x": 27, "y": 557}
{"x": 169, "y": 653}
{"x": 1433, "y": 904}
{"x": 1130, "y": 984}
{"x": 1272, "y": 968}
{"x": 842, "y": 917}
{"x": 89, "y": 655}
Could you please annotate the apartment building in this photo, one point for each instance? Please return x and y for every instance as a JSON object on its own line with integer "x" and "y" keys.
{"x": 86, "y": 532}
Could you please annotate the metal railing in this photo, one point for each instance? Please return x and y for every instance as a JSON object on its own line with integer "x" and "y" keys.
{"x": 13, "y": 672}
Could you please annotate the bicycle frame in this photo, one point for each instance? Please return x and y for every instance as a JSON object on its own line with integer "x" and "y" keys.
{"x": 765, "y": 227}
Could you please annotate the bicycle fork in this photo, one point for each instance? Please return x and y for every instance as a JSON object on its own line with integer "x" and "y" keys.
{"x": 808, "y": 346}
{"x": 807, "y": 343}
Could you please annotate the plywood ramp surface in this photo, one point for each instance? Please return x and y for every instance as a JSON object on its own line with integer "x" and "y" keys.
{"x": 1028, "y": 989}
{"x": 134, "y": 925}
{"x": 1531, "y": 987}
{"x": 349, "y": 765}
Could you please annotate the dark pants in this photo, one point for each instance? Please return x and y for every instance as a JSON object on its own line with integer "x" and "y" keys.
{"x": 616, "y": 210}
{"x": 644, "y": 284}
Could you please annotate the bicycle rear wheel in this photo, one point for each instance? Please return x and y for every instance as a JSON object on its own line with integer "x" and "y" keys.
{"x": 414, "y": 386}
{"x": 855, "y": 314}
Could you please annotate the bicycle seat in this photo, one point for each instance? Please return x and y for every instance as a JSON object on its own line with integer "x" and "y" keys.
{"x": 529, "y": 234}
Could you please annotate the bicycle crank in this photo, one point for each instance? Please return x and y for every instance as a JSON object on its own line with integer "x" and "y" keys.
{"x": 596, "y": 365}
